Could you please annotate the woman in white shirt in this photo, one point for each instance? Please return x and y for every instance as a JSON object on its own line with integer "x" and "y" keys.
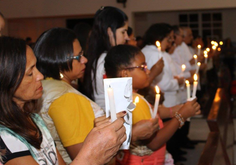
{"x": 168, "y": 83}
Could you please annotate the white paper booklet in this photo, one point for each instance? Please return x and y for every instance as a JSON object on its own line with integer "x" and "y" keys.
{"x": 122, "y": 93}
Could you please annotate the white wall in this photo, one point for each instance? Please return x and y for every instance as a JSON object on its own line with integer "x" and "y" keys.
{"x": 44, "y": 8}
{"x": 39, "y": 8}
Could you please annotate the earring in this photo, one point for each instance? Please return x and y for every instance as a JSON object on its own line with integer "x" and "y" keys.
{"x": 61, "y": 75}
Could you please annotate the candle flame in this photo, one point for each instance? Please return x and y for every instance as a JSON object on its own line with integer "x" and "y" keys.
{"x": 136, "y": 100}
{"x": 195, "y": 56}
{"x": 186, "y": 82}
{"x": 199, "y": 46}
{"x": 195, "y": 77}
{"x": 219, "y": 49}
{"x": 216, "y": 44}
{"x": 205, "y": 55}
{"x": 183, "y": 67}
{"x": 208, "y": 49}
{"x": 198, "y": 63}
{"x": 221, "y": 42}
{"x": 158, "y": 44}
{"x": 214, "y": 47}
{"x": 212, "y": 42}
{"x": 157, "y": 89}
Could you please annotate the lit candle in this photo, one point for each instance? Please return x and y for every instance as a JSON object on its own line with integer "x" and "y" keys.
{"x": 158, "y": 44}
{"x": 216, "y": 44}
{"x": 195, "y": 82}
{"x": 218, "y": 49}
{"x": 208, "y": 49}
{"x": 136, "y": 100}
{"x": 112, "y": 103}
{"x": 213, "y": 47}
{"x": 198, "y": 66}
{"x": 183, "y": 66}
{"x": 206, "y": 56}
{"x": 156, "y": 102}
{"x": 188, "y": 89}
{"x": 221, "y": 42}
{"x": 212, "y": 42}
{"x": 195, "y": 58}
{"x": 199, "y": 49}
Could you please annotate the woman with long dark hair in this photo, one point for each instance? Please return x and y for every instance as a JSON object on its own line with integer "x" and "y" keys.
{"x": 24, "y": 138}
{"x": 109, "y": 29}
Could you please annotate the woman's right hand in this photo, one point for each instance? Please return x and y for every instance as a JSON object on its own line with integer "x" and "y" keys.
{"x": 144, "y": 129}
{"x": 103, "y": 142}
{"x": 189, "y": 109}
{"x": 158, "y": 67}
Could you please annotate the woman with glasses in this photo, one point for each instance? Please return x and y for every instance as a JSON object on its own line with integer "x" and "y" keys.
{"x": 69, "y": 115}
{"x": 24, "y": 137}
{"x": 129, "y": 61}
{"x": 166, "y": 80}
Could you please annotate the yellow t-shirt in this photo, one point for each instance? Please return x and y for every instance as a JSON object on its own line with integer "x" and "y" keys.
{"x": 142, "y": 110}
{"x": 73, "y": 118}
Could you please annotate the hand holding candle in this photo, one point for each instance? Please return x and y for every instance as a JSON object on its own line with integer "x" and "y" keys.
{"x": 188, "y": 89}
{"x": 158, "y": 44}
{"x": 112, "y": 103}
{"x": 195, "y": 82}
{"x": 157, "y": 98}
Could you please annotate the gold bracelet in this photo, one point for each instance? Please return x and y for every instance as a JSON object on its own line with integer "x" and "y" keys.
{"x": 179, "y": 117}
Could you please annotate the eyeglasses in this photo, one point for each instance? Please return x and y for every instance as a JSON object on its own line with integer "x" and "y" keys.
{"x": 143, "y": 67}
{"x": 78, "y": 58}
{"x": 169, "y": 39}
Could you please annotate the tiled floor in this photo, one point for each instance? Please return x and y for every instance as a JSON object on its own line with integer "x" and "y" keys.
{"x": 198, "y": 132}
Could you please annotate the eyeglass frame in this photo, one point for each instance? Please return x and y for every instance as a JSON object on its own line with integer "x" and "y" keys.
{"x": 143, "y": 67}
{"x": 78, "y": 57}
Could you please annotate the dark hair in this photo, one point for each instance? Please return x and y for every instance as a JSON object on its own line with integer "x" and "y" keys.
{"x": 1, "y": 15}
{"x": 105, "y": 17}
{"x": 156, "y": 32}
{"x": 82, "y": 31}
{"x": 129, "y": 31}
{"x": 176, "y": 29}
{"x": 12, "y": 71}
{"x": 52, "y": 50}
{"x": 118, "y": 57}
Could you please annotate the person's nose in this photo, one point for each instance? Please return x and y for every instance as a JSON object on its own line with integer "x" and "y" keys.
{"x": 83, "y": 60}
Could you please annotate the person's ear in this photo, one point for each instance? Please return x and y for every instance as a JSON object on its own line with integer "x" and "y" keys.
{"x": 124, "y": 73}
{"x": 110, "y": 33}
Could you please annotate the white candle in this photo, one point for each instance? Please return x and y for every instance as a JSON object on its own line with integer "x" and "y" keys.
{"x": 206, "y": 56}
{"x": 157, "y": 98}
{"x": 158, "y": 44}
{"x": 198, "y": 66}
{"x": 112, "y": 103}
{"x": 188, "y": 89}
{"x": 195, "y": 58}
{"x": 195, "y": 82}
{"x": 183, "y": 67}
{"x": 199, "y": 49}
